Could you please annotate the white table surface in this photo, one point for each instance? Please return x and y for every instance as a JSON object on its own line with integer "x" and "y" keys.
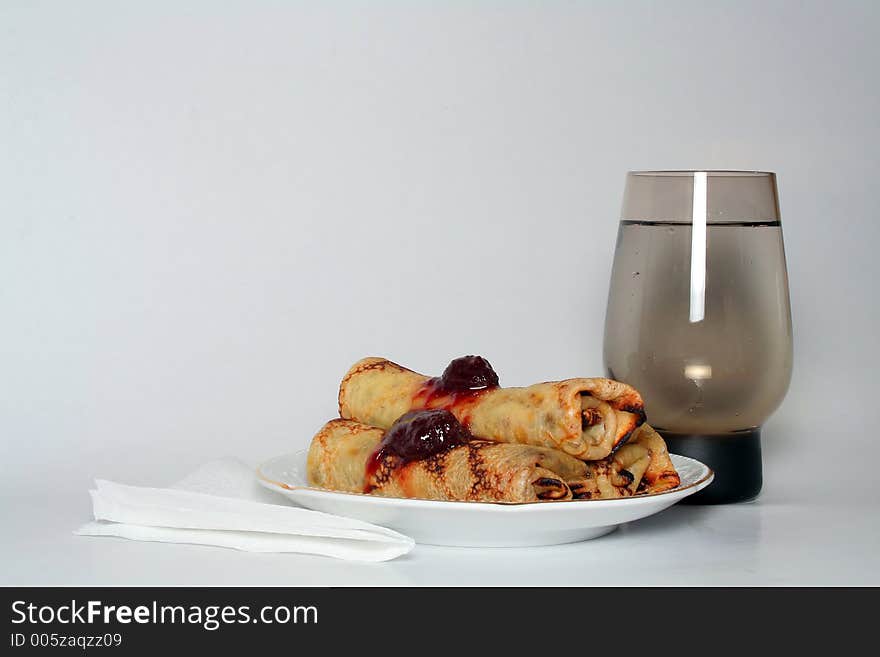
{"x": 815, "y": 523}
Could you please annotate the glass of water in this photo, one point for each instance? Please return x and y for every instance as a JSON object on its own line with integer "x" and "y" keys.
{"x": 698, "y": 316}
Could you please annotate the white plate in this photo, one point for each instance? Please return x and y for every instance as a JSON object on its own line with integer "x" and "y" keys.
{"x": 481, "y": 524}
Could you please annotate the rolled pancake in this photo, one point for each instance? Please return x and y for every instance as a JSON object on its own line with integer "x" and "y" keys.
{"x": 480, "y": 471}
{"x": 660, "y": 474}
{"x": 642, "y": 466}
{"x": 588, "y": 418}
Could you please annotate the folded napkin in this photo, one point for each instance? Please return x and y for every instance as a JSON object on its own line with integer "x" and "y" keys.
{"x": 221, "y": 504}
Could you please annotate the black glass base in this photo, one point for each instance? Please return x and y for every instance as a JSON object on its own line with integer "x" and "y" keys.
{"x": 735, "y": 458}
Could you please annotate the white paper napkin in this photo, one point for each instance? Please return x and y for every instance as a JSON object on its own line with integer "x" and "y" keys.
{"x": 221, "y": 504}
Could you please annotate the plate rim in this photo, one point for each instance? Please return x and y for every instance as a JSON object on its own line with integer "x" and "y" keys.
{"x": 508, "y": 507}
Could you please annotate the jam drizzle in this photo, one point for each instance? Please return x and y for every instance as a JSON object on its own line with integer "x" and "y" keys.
{"x": 462, "y": 383}
{"x": 373, "y": 465}
{"x": 460, "y": 403}
{"x": 415, "y": 436}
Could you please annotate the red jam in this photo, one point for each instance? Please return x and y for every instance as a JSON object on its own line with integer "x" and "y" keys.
{"x": 462, "y": 383}
{"x": 417, "y": 435}
{"x": 468, "y": 373}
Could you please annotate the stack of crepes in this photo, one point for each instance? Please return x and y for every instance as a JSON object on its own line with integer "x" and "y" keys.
{"x": 577, "y": 439}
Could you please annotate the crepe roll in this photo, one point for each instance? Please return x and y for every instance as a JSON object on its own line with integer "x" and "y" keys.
{"x": 587, "y": 418}
{"x": 660, "y": 473}
{"x": 342, "y": 457}
{"x": 642, "y": 466}
{"x": 479, "y": 471}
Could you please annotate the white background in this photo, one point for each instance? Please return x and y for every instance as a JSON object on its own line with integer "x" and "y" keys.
{"x": 208, "y": 211}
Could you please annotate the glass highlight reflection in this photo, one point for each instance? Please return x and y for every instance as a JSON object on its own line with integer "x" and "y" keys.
{"x": 698, "y": 249}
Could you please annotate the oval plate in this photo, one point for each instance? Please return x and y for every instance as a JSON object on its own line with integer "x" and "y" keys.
{"x": 481, "y": 524}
